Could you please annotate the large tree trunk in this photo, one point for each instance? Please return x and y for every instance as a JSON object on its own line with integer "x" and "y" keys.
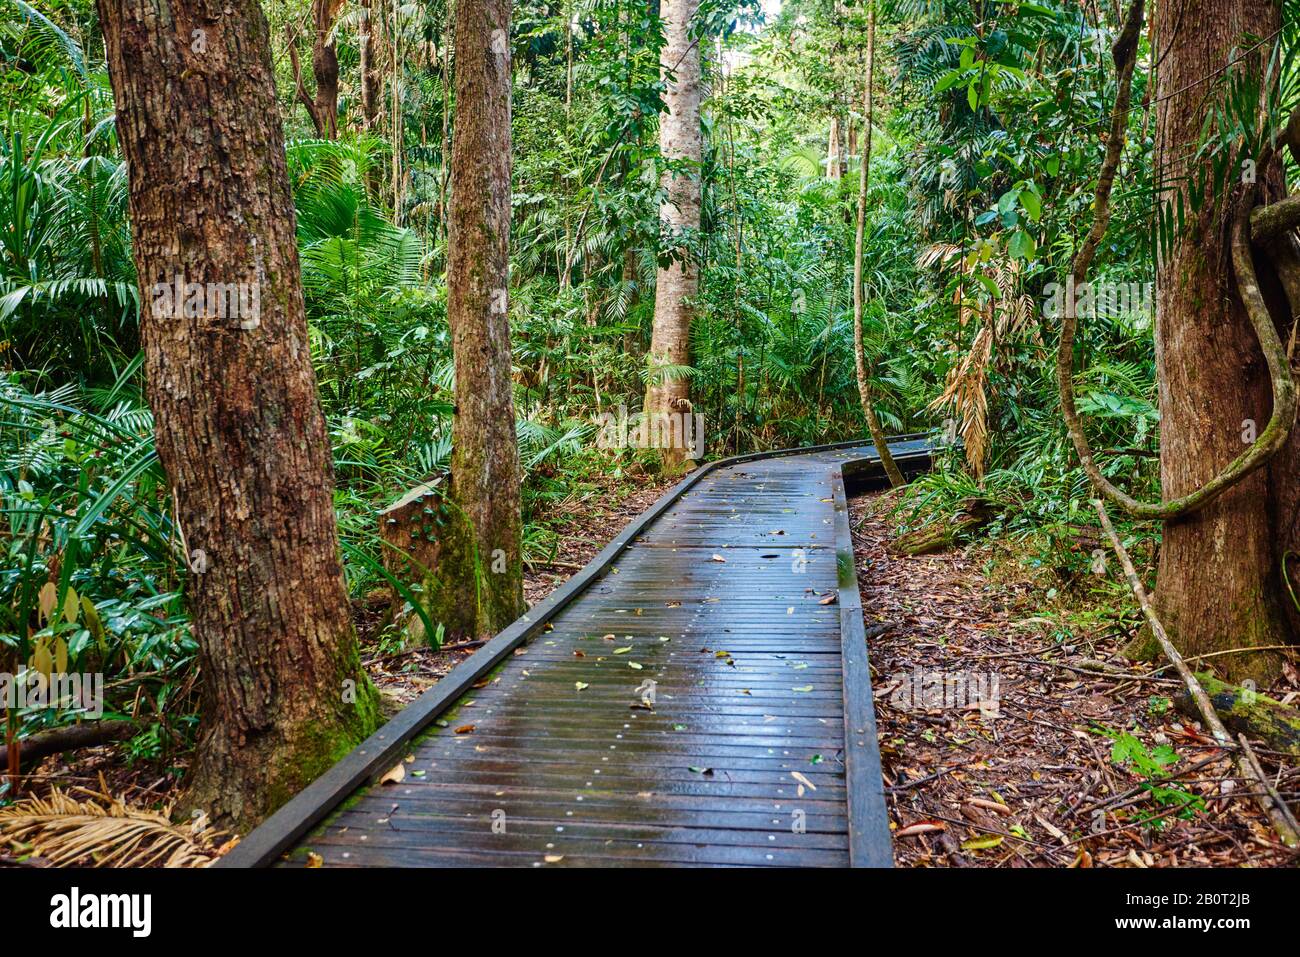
{"x": 864, "y": 176}
{"x": 1219, "y": 584}
{"x": 680, "y": 139}
{"x": 480, "y": 588}
{"x": 237, "y": 419}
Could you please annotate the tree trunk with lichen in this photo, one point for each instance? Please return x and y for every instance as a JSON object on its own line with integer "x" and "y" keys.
{"x": 238, "y": 422}
{"x": 1219, "y": 583}
{"x": 680, "y": 141}
{"x": 478, "y": 587}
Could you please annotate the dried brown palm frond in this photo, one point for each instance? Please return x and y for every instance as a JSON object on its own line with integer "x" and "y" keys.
{"x": 1011, "y": 313}
{"x": 966, "y": 394}
{"x": 104, "y": 831}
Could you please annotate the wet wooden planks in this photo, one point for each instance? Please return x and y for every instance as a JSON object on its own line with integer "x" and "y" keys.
{"x": 687, "y": 708}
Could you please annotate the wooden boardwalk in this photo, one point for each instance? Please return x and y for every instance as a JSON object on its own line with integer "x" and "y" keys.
{"x": 686, "y": 703}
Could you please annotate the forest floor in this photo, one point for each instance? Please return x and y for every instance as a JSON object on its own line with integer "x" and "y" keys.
{"x": 1027, "y": 775}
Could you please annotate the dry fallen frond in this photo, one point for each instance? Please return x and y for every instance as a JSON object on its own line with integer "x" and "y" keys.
{"x": 104, "y": 831}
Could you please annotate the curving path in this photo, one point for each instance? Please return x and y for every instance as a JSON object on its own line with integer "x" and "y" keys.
{"x": 683, "y": 701}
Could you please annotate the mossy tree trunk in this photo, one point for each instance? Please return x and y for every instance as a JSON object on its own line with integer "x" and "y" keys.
{"x": 237, "y": 417}
{"x": 478, "y": 588}
{"x": 1219, "y": 583}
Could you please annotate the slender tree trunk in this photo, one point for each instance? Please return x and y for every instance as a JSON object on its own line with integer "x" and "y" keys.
{"x": 680, "y": 139}
{"x": 398, "y": 118}
{"x": 1219, "y": 584}
{"x": 864, "y": 175}
{"x": 482, "y": 577}
{"x": 323, "y": 108}
{"x": 370, "y": 83}
{"x": 833, "y": 168}
{"x": 238, "y": 422}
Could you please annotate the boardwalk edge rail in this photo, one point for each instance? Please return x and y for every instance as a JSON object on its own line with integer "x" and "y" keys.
{"x": 869, "y": 841}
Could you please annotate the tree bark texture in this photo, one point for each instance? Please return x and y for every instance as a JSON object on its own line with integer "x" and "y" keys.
{"x": 238, "y": 421}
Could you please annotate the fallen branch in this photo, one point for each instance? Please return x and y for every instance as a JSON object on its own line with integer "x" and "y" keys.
{"x": 943, "y": 533}
{"x": 70, "y": 738}
{"x": 1278, "y": 814}
{"x": 1249, "y": 713}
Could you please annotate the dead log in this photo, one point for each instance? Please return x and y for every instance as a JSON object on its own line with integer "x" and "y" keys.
{"x": 74, "y": 736}
{"x": 942, "y": 534}
{"x": 1247, "y": 712}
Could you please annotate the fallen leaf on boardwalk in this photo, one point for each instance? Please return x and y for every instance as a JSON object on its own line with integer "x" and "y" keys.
{"x": 722, "y": 654}
{"x": 465, "y": 729}
{"x": 718, "y": 558}
{"x": 481, "y": 683}
{"x": 636, "y": 666}
{"x": 395, "y": 775}
{"x": 553, "y": 858}
{"x": 580, "y": 685}
{"x": 803, "y": 780}
{"x": 315, "y": 860}
{"x": 921, "y": 827}
{"x": 830, "y": 599}
{"x": 579, "y": 654}
{"x": 672, "y": 604}
{"x": 803, "y": 688}
{"x": 982, "y": 843}
{"x": 607, "y": 638}
{"x": 622, "y": 651}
